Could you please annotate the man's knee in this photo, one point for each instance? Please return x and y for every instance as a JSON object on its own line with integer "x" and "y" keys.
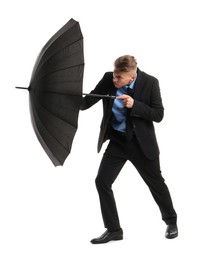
{"x": 102, "y": 184}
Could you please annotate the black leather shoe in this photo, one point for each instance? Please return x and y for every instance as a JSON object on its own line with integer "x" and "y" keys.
{"x": 171, "y": 232}
{"x": 108, "y": 236}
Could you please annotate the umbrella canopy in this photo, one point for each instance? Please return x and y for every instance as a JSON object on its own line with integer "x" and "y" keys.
{"x": 55, "y": 91}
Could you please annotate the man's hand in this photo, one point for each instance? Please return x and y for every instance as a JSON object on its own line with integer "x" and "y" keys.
{"x": 128, "y": 101}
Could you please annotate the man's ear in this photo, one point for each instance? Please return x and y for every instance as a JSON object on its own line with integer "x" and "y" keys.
{"x": 134, "y": 76}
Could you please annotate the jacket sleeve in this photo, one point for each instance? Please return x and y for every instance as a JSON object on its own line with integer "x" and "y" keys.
{"x": 88, "y": 102}
{"x": 152, "y": 109}
{"x": 101, "y": 88}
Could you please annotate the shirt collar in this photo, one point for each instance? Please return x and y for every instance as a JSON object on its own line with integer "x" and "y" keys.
{"x": 131, "y": 85}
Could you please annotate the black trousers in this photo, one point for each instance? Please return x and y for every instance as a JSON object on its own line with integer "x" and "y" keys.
{"x": 114, "y": 158}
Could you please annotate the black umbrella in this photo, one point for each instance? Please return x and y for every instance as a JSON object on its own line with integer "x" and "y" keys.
{"x": 56, "y": 90}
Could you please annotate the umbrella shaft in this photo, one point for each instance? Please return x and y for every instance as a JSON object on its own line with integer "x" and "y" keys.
{"x": 84, "y": 94}
{"x": 99, "y": 96}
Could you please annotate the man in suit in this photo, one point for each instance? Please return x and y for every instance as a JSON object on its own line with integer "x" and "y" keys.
{"x": 128, "y": 123}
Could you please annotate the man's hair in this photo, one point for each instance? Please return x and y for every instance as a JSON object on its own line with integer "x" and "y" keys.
{"x": 125, "y": 63}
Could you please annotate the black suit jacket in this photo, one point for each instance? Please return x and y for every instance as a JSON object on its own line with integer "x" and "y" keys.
{"x": 147, "y": 108}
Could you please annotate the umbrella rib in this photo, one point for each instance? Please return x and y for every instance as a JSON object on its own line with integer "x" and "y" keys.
{"x": 50, "y": 132}
{"x": 63, "y": 49}
{"x": 68, "y": 44}
{"x": 55, "y": 39}
{"x": 53, "y": 114}
{"x": 60, "y": 51}
{"x": 55, "y": 71}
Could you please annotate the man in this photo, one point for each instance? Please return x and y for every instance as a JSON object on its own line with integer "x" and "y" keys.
{"x": 128, "y": 124}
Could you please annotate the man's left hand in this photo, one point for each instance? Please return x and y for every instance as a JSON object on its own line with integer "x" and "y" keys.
{"x": 128, "y": 101}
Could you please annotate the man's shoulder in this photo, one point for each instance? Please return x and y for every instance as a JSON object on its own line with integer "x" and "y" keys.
{"x": 107, "y": 77}
{"x": 108, "y": 74}
{"x": 146, "y": 76}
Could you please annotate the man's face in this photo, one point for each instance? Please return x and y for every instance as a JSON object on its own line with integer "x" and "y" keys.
{"x": 121, "y": 79}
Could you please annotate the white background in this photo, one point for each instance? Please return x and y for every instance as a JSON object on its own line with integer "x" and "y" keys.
{"x": 52, "y": 213}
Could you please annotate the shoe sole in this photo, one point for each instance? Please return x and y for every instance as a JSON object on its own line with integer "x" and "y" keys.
{"x": 171, "y": 237}
{"x": 117, "y": 238}
{"x": 106, "y": 241}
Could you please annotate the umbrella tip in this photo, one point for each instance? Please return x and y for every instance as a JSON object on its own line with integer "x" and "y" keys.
{"x": 22, "y": 88}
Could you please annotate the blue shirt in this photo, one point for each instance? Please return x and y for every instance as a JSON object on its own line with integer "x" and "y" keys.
{"x": 119, "y": 111}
